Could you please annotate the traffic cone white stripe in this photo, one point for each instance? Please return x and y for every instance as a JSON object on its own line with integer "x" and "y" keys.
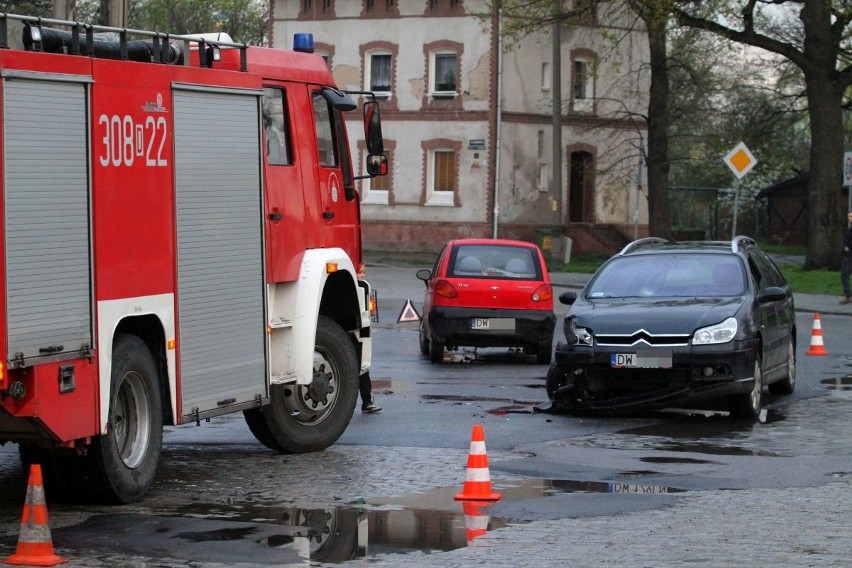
{"x": 477, "y": 448}
{"x": 477, "y": 474}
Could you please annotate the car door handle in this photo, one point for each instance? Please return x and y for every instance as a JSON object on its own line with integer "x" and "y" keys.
{"x": 328, "y": 214}
{"x": 276, "y": 216}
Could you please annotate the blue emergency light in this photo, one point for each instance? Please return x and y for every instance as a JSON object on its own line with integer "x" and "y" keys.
{"x": 303, "y": 43}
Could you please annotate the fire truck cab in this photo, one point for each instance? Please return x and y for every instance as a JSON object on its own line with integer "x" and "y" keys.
{"x": 180, "y": 239}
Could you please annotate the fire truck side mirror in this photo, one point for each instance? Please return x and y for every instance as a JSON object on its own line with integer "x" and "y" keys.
{"x": 338, "y": 99}
{"x": 373, "y": 129}
{"x": 377, "y": 165}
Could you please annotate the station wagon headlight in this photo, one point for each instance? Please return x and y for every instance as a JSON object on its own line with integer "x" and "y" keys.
{"x": 719, "y": 333}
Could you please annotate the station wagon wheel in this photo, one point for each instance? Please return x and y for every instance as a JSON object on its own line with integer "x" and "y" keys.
{"x": 747, "y": 405}
{"x": 556, "y": 378}
{"x": 788, "y": 384}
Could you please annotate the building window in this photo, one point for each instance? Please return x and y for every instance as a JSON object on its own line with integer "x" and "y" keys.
{"x": 444, "y": 73}
{"x": 545, "y": 76}
{"x": 583, "y": 81}
{"x": 442, "y": 176}
{"x": 379, "y": 8}
{"x": 316, "y": 10}
{"x": 541, "y": 182}
{"x": 581, "y": 78}
{"x": 276, "y": 127}
{"x": 444, "y": 8}
{"x": 380, "y": 72}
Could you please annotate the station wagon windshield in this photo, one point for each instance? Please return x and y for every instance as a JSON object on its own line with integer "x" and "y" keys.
{"x": 669, "y": 276}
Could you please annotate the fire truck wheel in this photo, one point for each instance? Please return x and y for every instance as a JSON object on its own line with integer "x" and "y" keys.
{"x": 123, "y": 462}
{"x": 309, "y": 418}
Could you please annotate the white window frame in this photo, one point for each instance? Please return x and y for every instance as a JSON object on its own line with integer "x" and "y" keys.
{"x": 368, "y": 70}
{"x": 438, "y": 198}
{"x": 433, "y": 71}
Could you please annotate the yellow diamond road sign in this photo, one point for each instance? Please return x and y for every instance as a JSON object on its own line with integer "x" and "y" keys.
{"x": 740, "y": 160}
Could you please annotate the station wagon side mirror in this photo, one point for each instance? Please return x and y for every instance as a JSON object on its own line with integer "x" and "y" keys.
{"x": 568, "y": 297}
{"x": 772, "y": 294}
{"x": 424, "y": 274}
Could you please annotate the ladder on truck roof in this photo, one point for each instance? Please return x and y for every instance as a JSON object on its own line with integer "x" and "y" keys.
{"x": 160, "y": 48}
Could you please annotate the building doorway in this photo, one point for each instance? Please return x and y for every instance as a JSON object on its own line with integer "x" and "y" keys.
{"x": 581, "y": 183}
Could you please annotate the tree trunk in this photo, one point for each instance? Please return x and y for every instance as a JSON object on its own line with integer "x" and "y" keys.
{"x": 824, "y": 88}
{"x": 826, "y": 218}
{"x": 659, "y": 220}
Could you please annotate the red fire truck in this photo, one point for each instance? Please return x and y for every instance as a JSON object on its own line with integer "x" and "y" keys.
{"x": 180, "y": 239}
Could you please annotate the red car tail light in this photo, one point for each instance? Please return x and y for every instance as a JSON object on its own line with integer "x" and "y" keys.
{"x": 542, "y": 293}
{"x": 445, "y": 289}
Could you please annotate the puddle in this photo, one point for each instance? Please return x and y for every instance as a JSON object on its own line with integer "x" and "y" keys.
{"x": 838, "y": 383}
{"x": 429, "y": 521}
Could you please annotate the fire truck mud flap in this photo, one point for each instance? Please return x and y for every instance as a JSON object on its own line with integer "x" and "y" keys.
{"x": 307, "y": 418}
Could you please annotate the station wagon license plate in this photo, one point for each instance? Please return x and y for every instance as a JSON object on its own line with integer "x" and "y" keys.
{"x": 492, "y": 324}
{"x": 640, "y": 360}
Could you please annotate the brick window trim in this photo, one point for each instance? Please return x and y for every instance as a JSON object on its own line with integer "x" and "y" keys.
{"x": 366, "y": 50}
{"x": 451, "y": 103}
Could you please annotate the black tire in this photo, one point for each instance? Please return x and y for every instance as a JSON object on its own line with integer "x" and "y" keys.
{"x": 556, "y": 378}
{"x": 436, "y": 351}
{"x": 424, "y": 341}
{"x": 788, "y": 384}
{"x": 309, "y": 418}
{"x": 747, "y": 405}
{"x": 120, "y": 465}
{"x": 544, "y": 353}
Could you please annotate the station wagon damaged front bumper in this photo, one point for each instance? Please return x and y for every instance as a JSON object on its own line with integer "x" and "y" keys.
{"x": 454, "y": 327}
{"x": 593, "y": 386}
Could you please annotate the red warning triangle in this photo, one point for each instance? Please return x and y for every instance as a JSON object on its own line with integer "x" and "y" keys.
{"x": 408, "y": 313}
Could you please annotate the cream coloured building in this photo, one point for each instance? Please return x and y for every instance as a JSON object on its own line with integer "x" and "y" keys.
{"x": 437, "y": 66}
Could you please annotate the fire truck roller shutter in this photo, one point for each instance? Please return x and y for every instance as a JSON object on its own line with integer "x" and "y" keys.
{"x": 221, "y": 287}
{"x": 48, "y": 269}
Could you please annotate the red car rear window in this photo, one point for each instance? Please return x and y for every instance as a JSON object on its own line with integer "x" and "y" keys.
{"x": 494, "y": 261}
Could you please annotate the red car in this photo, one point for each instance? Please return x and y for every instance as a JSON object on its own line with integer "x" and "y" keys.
{"x": 488, "y": 293}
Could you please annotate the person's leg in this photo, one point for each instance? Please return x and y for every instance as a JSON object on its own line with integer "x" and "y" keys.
{"x": 845, "y": 272}
{"x": 365, "y": 387}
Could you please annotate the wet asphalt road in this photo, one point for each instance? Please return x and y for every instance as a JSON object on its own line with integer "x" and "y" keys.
{"x": 652, "y": 490}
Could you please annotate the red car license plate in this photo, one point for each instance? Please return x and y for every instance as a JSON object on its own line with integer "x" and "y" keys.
{"x": 492, "y": 324}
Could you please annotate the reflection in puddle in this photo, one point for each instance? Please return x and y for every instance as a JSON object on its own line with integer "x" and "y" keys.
{"x": 429, "y": 521}
{"x": 838, "y": 383}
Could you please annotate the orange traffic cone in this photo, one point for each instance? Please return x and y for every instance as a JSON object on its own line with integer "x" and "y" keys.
{"x": 475, "y": 523}
{"x": 35, "y": 547}
{"x": 816, "y": 347}
{"x": 477, "y": 482}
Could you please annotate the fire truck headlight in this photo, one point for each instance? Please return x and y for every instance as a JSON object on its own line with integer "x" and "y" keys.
{"x": 35, "y": 34}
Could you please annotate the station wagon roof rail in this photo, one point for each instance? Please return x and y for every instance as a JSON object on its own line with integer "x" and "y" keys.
{"x": 741, "y": 240}
{"x": 642, "y": 242}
